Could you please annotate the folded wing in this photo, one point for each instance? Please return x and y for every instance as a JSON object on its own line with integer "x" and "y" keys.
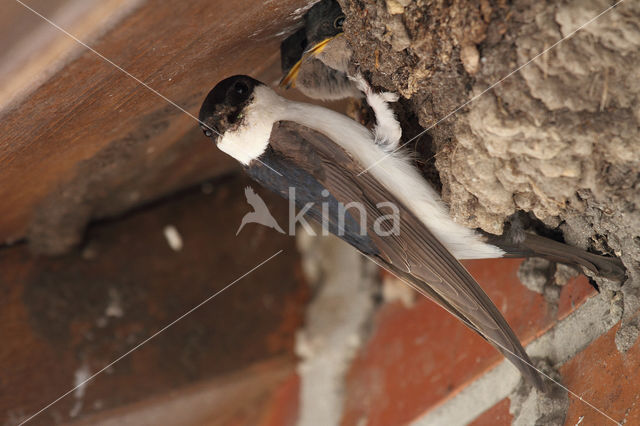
{"x": 413, "y": 253}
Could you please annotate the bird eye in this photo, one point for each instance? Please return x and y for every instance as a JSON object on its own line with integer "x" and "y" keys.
{"x": 339, "y": 22}
{"x": 207, "y": 132}
{"x": 241, "y": 88}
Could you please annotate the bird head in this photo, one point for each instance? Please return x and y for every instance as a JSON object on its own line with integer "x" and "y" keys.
{"x": 223, "y": 108}
{"x": 238, "y": 114}
{"x": 324, "y": 21}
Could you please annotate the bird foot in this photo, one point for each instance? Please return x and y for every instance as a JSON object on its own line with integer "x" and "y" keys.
{"x": 387, "y": 131}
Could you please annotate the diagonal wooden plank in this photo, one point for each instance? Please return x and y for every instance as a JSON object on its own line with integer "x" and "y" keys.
{"x": 180, "y": 49}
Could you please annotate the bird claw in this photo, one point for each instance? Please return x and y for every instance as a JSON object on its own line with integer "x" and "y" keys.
{"x": 387, "y": 131}
{"x": 366, "y": 88}
{"x": 389, "y": 96}
{"x": 362, "y": 84}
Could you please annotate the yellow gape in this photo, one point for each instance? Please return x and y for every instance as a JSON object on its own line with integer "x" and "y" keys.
{"x": 289, "y": 80}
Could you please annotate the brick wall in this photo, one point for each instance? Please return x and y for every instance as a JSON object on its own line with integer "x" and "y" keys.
{"x": 420, "y": 366}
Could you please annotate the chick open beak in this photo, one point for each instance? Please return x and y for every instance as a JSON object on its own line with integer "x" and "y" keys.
{"x": 289, "y": 80}
{"x": 319, "y": 47}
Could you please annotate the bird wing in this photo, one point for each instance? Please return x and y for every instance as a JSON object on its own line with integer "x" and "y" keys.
{"x": 308, "y": 192}
{"x": 414, "y": 251}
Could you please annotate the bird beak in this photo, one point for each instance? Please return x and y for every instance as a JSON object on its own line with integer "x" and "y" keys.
{"x": 314, "y": 50}
{"x": 210, "y": 132}
{"x": 289, "y": 80}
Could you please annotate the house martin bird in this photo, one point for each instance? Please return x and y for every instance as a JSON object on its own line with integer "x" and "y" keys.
{"x": 320, "y": 153}
{"x": 315, "y": 59}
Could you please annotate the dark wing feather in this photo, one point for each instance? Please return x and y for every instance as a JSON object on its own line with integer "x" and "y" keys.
{"x": 415, "y": 253}
{"x": 308, "y": 192}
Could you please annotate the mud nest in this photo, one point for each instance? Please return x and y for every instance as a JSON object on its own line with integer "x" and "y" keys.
{"x": 555, "y": 138}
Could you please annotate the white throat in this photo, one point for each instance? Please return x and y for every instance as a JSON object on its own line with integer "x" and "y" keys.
{"x": 251, "y": 139}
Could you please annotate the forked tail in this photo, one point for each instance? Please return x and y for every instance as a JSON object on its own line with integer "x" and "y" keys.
{"x": 537, "y": 246}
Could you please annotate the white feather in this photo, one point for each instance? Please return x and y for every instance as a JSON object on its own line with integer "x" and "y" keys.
{"x": 395, "y": 172}
{"x": 250, "y": 140}
{"x": 387, "y": 132}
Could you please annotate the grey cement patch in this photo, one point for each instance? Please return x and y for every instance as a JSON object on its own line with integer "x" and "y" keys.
{"x": 343, "y": 304}
{"x": 534, "y": 274}
{"x": 567, "y": 338}
{"x": 530, "y": 407}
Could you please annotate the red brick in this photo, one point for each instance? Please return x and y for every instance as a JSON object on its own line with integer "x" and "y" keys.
{"x": 606, "y": 379}
{"x": 497, "y": 415}
{"x": 421, "y": 356}
{"x": 283, "y": 407}
{"x": 53, "y": 309}
{"x": 256, "y": 396}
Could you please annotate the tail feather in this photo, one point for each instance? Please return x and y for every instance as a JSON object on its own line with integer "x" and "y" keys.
{"x": 537, "y": 246}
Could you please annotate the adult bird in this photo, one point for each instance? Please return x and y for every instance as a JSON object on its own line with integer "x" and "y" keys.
{"x": 320, "y": 153}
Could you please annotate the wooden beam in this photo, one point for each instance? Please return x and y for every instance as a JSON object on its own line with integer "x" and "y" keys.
{"x": 144, "y": 147}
